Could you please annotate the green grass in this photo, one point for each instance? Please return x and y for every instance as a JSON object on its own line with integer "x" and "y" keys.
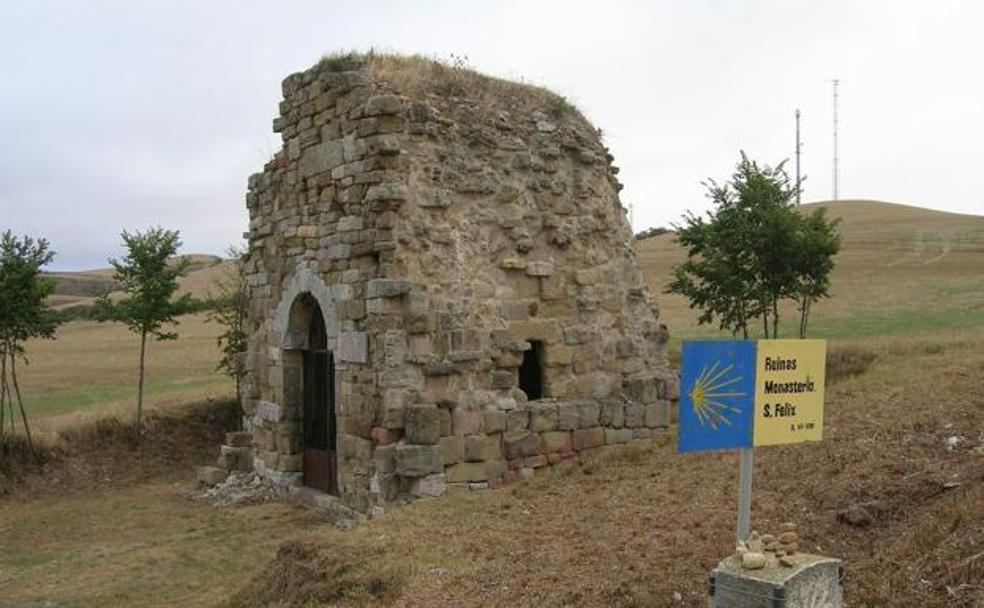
{"x": 60, "y": 402}
{"x": 891, "y": 323}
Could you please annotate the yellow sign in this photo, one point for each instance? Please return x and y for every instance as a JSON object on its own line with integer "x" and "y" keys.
{"x": 789, "y": 379}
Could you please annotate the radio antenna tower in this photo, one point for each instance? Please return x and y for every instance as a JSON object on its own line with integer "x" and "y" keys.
{"x": 798, "y": 146}
{"x": 836, "y": 157}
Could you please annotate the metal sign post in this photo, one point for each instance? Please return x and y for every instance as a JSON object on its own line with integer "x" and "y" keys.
{"x": 745, "y": 493}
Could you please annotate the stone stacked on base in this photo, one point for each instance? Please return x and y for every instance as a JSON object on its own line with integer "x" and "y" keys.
{"x": 236, "y": 454}
{"x": 474, "y": 268}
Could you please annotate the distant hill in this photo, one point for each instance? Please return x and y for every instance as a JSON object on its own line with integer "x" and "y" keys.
{"x": 895, "y": 260}
{"x": 83, "y": 287}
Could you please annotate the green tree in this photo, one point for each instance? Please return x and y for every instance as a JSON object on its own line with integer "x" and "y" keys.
{"x": 23, "y": 315}
{"x": 753, "y": 251}
{"x": 817, "y": 242}
{"x": 148, "y": 277}
{"x": 229, "y": 310}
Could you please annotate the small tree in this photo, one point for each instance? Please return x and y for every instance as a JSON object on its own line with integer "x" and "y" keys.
{"x": 817, "y": 242}
{"x": 149, "y": 279}
{"x": 754, "y": 250}
{"x": 230, "y": 306}
{"x": 23, "y": 315}
{"x": 717, "y": 275}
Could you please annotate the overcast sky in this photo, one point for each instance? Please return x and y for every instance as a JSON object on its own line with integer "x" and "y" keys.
{"x": 128, "y": 114}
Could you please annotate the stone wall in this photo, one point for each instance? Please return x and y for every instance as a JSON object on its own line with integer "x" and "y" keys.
{"x": 441, "y": 236}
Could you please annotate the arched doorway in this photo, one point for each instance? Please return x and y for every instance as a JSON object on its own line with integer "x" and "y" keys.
{"x": 318, "y": 416}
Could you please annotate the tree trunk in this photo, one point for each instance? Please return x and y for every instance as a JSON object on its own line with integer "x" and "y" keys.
{"x": 20, "y": 404}
{"x": 775, "y": 317}
{"x": 802, "y": 309}
{"x": 3, "y": 388}
{"x": 140, "y": 388}
{"x": 806, "y": 317}
{"x": 6, "y": 399}
{"x": 765, "y": 322}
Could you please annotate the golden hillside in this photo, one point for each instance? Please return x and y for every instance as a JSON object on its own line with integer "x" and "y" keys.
{"x": 900, "y": 268}
{"x": 82, "y": 287}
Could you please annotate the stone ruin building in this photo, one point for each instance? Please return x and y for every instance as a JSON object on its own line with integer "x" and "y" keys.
{"x": 443, "y": 288}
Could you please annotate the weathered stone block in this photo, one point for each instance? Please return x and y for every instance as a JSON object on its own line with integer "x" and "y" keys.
{"x": 539, "y": 268}
{"x": 672, "y": 388}
{"x": 518, "y": 419}
{"x": 555, "y": 355}
{"x": 553, "y": 287}
{"x": 386, "y": 485}
{"x": 386, "y": 288}
{"x": 589, "y": 414}
{"x": 614, "y": 436}
{"x": 502, "y": 379}
{"x": 585, "y": 277}
{"x": 392, "y": 415}
{"x": 353, "y": 346}
{"x": 235, "y": 459}
{"x": 624, "y": 348}
{"x": 452, "y": 448}
{"x": 543, "y": 417}
{"x": 384, "y": 458}
{"x": 446, "y": 426}
{"x": 514, "y": 310}
{"x": 418, "y": 460}
{"x": 612, "y": 414}
{"x": 423, "y": 424}
{"x": 467, "y": 471}
{"x": 431, "y": 485}
{"x": 267, "y": 411}
{"x": 384, "y": 436}
{"x": 482, "y": 447}
{"x": 586, "y": 439}
{"x": 263, "y": 440}
{"x": 386, "y": 192}
{"x": 354, "y": 448}
{"x": 568, "y": 415}
{"x": 556, "y": 441}
{"x": 807, "y": 581}
{"x": 656, "y": 415}
{"x": 493, "y": 421}
{"x": 633, "y": 415}
{"x": 520, "y": 444}
{"x": 465, "y": 421}
{"x": 642, "y": 390}
{"x": 383, "y": 104}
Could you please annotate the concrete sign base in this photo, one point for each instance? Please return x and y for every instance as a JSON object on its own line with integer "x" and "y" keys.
{"x": 813, "y": 581}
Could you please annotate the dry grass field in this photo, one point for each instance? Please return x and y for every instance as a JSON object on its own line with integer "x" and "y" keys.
{"x": 90, "y": 370}
{"x": 113, "y": 524}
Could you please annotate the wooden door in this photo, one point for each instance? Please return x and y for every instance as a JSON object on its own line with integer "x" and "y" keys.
{"x": 320, "y": 461}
